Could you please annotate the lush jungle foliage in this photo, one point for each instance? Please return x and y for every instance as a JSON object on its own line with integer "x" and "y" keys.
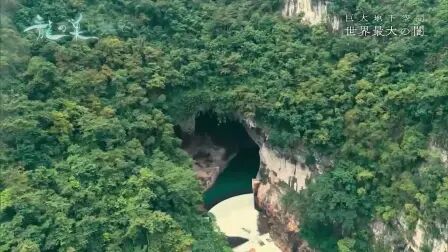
{"x": 89, "y": 160}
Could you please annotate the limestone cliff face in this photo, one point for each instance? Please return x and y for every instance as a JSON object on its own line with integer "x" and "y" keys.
{"x": 279, "y": 169}
{"x": 278, "y": 174}
{"x": 440, "y": 151}
{"x": 419, "y": 238}
{"x": 283, "y": 226}
{"x": 314, "y": 12}
{"x": 401, "y": 239}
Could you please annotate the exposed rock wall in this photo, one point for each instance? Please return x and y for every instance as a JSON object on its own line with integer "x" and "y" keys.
{"x": 209, "y": 159}
{"x": 278, "y": 174}
{"x": 314, "y": 12}
{"x": 280, "y": 169}
{"x": 419, "y": 239}
{"x": 396, "y": 239}
{"x": 283, "y": 227}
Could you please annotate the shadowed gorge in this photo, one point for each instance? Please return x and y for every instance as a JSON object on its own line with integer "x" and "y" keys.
{"x": 351, "y": 130}
{"x": 224, "y": 151}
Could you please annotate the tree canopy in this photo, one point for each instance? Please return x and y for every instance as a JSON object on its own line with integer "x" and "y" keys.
{"x": 90, "y": 161}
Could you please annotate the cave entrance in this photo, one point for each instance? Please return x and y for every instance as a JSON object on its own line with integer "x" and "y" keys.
{"x": 226, "y": 158}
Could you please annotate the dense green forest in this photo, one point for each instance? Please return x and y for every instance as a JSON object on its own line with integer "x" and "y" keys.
{"x": 90, "y": 162}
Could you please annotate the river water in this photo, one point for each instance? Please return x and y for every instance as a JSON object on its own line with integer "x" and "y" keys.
{"x": 236, "y": 179}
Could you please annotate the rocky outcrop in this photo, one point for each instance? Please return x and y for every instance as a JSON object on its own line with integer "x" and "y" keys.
{"x": 283, "y": 226}
{"x": 279, "y": 169}
{"x": 209, "y": 158}
{"x": 278, "y": 174}
{"x": 399, "y": 238}
{"x": 419, "y": 239}
{"x": 439, "y": 150}
{"x": 314, "y": 12}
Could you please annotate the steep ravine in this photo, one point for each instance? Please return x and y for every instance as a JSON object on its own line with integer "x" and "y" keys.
{"x": 277, "y": 173}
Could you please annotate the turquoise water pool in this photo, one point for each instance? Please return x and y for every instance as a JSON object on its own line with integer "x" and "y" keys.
{"x": 236, "y": 179}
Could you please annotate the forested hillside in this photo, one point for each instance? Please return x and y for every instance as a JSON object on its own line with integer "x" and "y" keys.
{"x": 90, "y": 162}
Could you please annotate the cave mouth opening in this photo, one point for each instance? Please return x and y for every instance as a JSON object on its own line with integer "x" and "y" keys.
{"x": 224, "y": 154}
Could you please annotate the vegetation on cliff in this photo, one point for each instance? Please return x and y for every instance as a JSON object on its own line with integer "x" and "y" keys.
{"x": 89, "y": 160}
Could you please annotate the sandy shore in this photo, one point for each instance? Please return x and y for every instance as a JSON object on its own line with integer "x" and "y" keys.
{"x": 237, "y": 217}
